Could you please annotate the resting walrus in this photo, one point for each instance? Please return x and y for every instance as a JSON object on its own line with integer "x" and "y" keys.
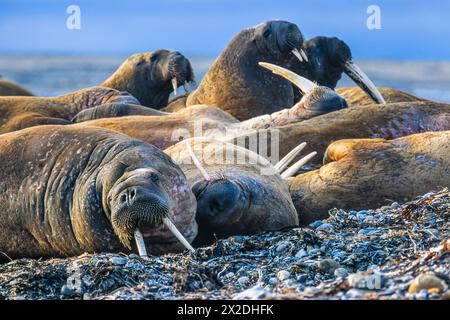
{"x": 9, "y": 88}
{"x": 66, "y": 190}
{"x": 369, "y": 173}
{"x": 235, "y": 82}
{"x": 152, "y": 76}
{"x": 237, "y": 191}
{"x": 147, "y": 75}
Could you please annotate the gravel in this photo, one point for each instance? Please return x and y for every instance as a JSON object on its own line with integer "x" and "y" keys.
{"x": 400, "y": 251}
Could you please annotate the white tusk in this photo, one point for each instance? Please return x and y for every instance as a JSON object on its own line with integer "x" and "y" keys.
{"x": 169, "y": 224}
{"x": 187, "y": 87}
{"x": 287, "y": 159}
{"x": 175, "y": 86}
{"x": 362, "y": 80}
{"x": 197, "y": 162}
{"x": 302, "y": 83}
{"x": 140, "y": 243}
{"x": 297, "y": 54}
{"x": 296, "y": 166}
{"x": 303, "y": 53}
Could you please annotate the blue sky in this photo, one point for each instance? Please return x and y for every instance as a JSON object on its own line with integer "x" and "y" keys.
{"x": 414, "y": 30}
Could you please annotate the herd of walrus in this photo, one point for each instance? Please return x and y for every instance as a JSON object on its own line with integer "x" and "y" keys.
{"x": 121, "y": 167}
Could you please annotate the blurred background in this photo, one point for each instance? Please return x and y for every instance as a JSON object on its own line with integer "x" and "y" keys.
{"x": 410, "y": 52}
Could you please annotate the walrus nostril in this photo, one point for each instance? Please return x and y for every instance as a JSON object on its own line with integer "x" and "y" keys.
{"x": 217, "y": 201}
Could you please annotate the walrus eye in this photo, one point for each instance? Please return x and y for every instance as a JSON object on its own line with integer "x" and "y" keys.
{"x": 266, "y": 33}
{"x": 154, "y": 177}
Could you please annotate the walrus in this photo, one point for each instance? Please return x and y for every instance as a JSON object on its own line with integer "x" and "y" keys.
{"x": 387, "y": 121}
{"x": 369, "y": 173}
{"x": 329, "y": 58}
{"x": 237, "y": 191}
{"x": 152, "y": 76}
{"x": 207, "y": 121}
{"x": 66, "y": 190}
{"x": 235, "y": 82}
{"x": 22, "y": 112}
{"x": 356, "y": 97}
{"x": 10, "y": 88}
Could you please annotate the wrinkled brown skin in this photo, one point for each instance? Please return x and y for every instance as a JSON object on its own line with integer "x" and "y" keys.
{"x": 55, "y": 183}
{"x": 356, "y": 97}
{"x": 238, "y": 85}
{"x": 199, "y": 120}
{"x": 369, "y": 173}
{"x": 23, "y": 112}
{"x": 374, "y": 121}
{"x": 9, "y": 88}
{"x": 268, "y": 206}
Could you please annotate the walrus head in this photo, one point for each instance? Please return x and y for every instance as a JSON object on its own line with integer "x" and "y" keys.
{"x": 152, "y": 76}
{"x": 279, "y": 38}
{"x": 329, "y": 57}
{"x": 316, "y": 100}
{"x": 234, "y": 196}
{"x": 140, "y": 191}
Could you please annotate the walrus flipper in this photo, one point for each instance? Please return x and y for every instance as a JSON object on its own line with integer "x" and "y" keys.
{"x": 112, "y": 110}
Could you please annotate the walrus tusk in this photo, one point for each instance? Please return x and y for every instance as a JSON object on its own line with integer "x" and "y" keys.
{"x": 140, "y": 243}
{"x": 363, "y": 81}
{"x": 296, "y": 166}
{"x": 303, "y": 53}
{"x": 287, "y": 159}
{"x": 297, "y": 54}
{"x": 175, "y": 86}
{"x": 169, "y": 224}
{"x": 197, "y": 163}
{"x": 302, "y": 83}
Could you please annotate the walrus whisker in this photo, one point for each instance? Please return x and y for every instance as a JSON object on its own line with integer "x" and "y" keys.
{"x": 305, "y": 85}
{"x": 197, "y": 163}
{"x": 169, "y": 224}
{"x": 357, "y": 75}
{"x": 140, "y": 243}
{"x": 287, "y": 159}
{"x": 296, "y": 166}
{"x": 175, "y": 86}
{"x": 297, "y": 54}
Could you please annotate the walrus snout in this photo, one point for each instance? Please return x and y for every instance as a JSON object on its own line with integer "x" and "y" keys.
{"x": 322, "y": 100}
{"x": 220, "y": 205}
{"x": 289, "y": 37}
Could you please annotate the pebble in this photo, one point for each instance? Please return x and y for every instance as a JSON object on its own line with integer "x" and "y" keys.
{"x": 118, "y": 261}
{"x": 324, "y": 227}
{"x": 315, "y": 224}
{"x": 328, "y": 265}
{"x": 283, "y": 275}
{"x": 341, "y": 272}
{"x": 273, "y": 281}
{"x": 243, "y": 281}
{"x": 282, "y": 246}
{"x": 301, "y": 253}
{"x": 66, "y": 291}
{"x": 427, "y": 281}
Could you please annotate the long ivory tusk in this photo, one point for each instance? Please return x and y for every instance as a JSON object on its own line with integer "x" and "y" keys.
{"x": 302, "y": 83}
{"x": 362, "y": 80}
{"x": 303, "y": 53}
{"x": 297, "y": 54}
{"x": 197, "y": 162}
{"x": 287, "y": 159}
{"x": 296, "y": 166}
{"x": 175, "y": 86}
{"x": 187, "y": 87}
{"x": 169, "y": 224}
{"x": 140, "y": 243}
